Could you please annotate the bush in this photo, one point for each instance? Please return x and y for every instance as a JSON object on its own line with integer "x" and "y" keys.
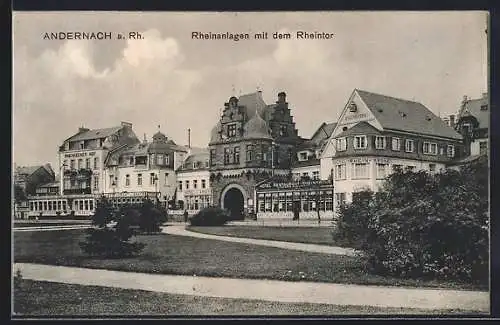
{"x": 421, "y": 225}
{"x": 211, "y": 216}
{"x": 111, "y": 232}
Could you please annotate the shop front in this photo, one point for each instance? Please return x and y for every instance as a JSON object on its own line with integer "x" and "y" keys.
{"x": 291, "y": 199}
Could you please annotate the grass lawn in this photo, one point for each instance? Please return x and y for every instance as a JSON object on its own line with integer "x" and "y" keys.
{"x": 47, "y": 224}
{"x": 169, "y": 254}
{"x": 37, "y": 298}
{"x": 317, "y": 235}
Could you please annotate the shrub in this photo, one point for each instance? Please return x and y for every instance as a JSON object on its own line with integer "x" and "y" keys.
{"x": 210, "y": 216}
{"x": 111, "y": 232}
{"x": 422, "y": 225}
{"x": 151, "y": 217}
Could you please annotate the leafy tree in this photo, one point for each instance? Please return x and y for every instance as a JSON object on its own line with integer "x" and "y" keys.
{"x": 111, "y": 233}
{"x": 151, "y": 217}
{"x": 424, "y": 225}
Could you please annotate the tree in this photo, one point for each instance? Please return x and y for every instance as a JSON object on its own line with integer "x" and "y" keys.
{"x": 151, "y": 217}
{"x": 111, "y": 233}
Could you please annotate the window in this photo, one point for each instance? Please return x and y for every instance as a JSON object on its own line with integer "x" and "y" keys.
{"x": 396, "y": 144}
{"x": 227, "y": 155}
{"x": 96, "y": 182}
{"x": 187, "y": 185}
{"x": 341, "y": 144}
{"x": 409, "y": 144}
{"x": 195, "y": 183}
{"x": 450, "y": 150}
{"x": 91, "y": 205}
{"x": 206, "y": 163}
{"x": 283, "y": 131}
{"x": 139, "y": 179}
{"x": 379, "y": 142}
{"x": 249, "y": 154}
{"x": 195, "y": 165}
{"x": 127, "y": 180}
{"x": 360, "y": 170}
{"x": 231, "y": 130}
{"x": 72, "y": 164}
{"x": 152, "y": 179}
{"x": 131, "y": 161}
{"x": 432, "y": 167}
{"x": 203, "y": 183}
{"x": 303, "y": 156}
{"x": 381, "y": 171}
{"x": 340, "y": 171}
{"x": 484, "y": 107}
{"x": 96, "y": 162}
{"x": 180, "y": 186}
{"x": 360, "y": 142}
{"x": 483, "y": 147}
{"x": 87, "y": 163}
{"x": 340, "y": 198}
{"x": 316, "y": 174}
{"x": 396, "y": 167}
{"x": 212, "y": 157}
{"x": 410, "y": 168}
{"x": 80, "y": 163}
{"x": 166, "y": 178}
{"x": 86, "y": 204}
{"x": 236, "y": 155}
{"x": 430, "y": 148}
{"x": 159, "y": 159}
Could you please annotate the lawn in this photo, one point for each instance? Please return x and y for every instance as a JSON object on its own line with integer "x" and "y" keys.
{"x": 317, "y": 235}
{"x": 169, "y": 254}
{"x": 37, "y": 298}
{"x": 47, "y": 224}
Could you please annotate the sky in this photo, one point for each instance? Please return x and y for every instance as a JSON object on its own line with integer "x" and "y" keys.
{"x": 170, "y": 80}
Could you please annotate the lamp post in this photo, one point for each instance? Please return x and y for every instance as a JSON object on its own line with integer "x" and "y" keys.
{"x": 155, "y": 180}
{"x": 272, "y": 158}
{"x": 61, "y": 175}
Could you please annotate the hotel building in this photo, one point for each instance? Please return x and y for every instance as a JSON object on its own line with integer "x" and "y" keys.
{"x": 376, "y": 134}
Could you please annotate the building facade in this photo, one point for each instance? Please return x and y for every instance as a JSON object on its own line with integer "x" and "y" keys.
{"x": 377, "y": 134}
{"x": 143, "y": 170}
{"x": 473, "y": 122}
{"x": 193, "y": 182}
{"x": 251, "y": 142}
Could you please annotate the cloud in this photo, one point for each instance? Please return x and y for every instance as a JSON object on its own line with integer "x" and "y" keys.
{"x": 61, "y": 89}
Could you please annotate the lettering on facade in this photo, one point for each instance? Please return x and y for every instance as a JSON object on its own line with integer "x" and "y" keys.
{"x": 359, "y": 160}
{"x": 79, "y": 154}
{"x": 201, "y": 191}
{"x": 295, "y": 185}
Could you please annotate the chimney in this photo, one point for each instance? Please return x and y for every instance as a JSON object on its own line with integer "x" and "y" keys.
{"x": 281, "y": 98}
{"x": 126, "y": 124}
{"x": 189, "y": 138}
{"x": 82, "y": 129}
{"x": 452, "y": 120}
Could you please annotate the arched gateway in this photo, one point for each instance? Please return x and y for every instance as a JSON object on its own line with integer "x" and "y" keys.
{"x": 233, "y": 199}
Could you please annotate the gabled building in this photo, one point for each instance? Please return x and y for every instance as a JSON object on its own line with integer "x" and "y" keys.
{"x": 143, "y": 170}
{"x": 82, "y": 156}
{"x": 251, "y": 142}
{"x": 377, "y": 134}
{"x": 28, "y": 178}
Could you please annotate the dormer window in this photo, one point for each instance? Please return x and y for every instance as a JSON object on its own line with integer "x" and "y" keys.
{"x": 159, "y": 159}
{"x": 341, "y": 144}
{"x": 484, "y": 107}
{"x": 360, "y": 142}
{"x": 167, "y": 159}
{"x": 303, "y": 156}
{"x": 195, "y": 165}
{"x": 352, "y": 107}
{"x": 82, "y": 145}
{"x": 231, "y": 130}
{"x": 450, "y": 151}
{"x": 380, "y": 142}
{"x": 430, "y": 148}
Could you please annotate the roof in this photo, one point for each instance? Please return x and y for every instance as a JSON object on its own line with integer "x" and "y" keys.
{"x": 473, "y": 107}
{"x": 95, "y": 134}
{"x": 254, "y": 102}
{"x": 360, "y": 128}
{"x": 306, "y": 163}
{"x": 324, "y": 131}
{"x": 405, "y": 115}
{"x": 256, "y": 128}
{"x": 51, "y": 184}
{"x": 28, "y": 170}
{"x": 200, "y": 155}
{"x": 465, "y": 160}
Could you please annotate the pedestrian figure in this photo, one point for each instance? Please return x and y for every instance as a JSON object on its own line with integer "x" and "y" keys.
{"x": 185, "y": 216}
{"x": 296, "y": 212}
{"x": 319, "y": 216}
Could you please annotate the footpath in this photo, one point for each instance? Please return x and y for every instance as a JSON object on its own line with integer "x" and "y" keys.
{"x": 181, "y": 231}
{"x": 266, "y": 290}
